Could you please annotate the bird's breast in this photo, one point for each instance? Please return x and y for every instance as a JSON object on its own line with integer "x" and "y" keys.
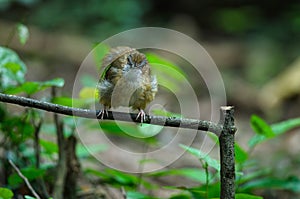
{"x": 128, "y": 87}
{"x": 133, "y": 74}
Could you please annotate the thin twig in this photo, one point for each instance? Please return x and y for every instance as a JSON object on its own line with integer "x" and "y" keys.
{"x": 86, "y": 113}
{"x": 37, "y": 147}
{"x": 25, "y": 179}
{"x": 123, "y": 192}
{"x": 37, "y": 151}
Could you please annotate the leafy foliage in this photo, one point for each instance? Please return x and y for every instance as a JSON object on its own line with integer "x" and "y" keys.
{"x": 6, "y": 193}
{"x": 19, "y": 133}
{"x": 203, "y": 157}
{"x": 31, "y": 88}
{"x": 254, "y": 177}
{"x": 12, "y": 69}
{"x": 194, "y": 174}
{"x": 264, "y": 131}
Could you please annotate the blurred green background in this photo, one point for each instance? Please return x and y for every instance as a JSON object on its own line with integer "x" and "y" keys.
{"x": 255, "y": 44}
{"x": 252, "y": 43}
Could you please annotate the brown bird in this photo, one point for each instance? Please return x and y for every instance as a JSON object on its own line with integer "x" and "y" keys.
{"x": 126, "y": 81}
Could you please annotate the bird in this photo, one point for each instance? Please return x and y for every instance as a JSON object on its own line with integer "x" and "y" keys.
{"x": 126, "y": 81}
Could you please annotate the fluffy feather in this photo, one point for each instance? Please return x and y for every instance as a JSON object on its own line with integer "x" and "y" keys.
{"x": 127, "y": 80}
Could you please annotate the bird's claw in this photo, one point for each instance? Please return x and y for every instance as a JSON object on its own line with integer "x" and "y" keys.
{"x": 101, "y": 114}
{"x": 142, "y": 115}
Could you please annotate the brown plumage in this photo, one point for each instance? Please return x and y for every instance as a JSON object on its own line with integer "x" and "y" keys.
{"x": 126, "y": 81}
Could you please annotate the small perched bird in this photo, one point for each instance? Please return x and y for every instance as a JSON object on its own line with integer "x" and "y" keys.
{"x": 126, "y": 81}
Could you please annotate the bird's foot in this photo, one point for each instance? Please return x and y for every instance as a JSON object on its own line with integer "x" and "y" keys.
{"x": 101, "y": 114}
{"x": 142, "y": 115}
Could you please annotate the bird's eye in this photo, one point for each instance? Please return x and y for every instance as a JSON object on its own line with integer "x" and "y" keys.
{"x": 129, "y": 60}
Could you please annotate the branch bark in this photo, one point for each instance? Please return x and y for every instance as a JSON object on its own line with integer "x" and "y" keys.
{"x": 227, "y": 153}
{"x": 86, "y": 113}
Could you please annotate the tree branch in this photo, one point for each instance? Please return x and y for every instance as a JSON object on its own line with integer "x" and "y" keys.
{"x": 86, "y": 113}
{"x": 227, "y": 153}
{"x": 225, "y": 129}
{"x": 25, "y": 179}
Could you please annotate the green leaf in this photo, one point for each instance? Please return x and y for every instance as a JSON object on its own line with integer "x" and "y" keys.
{"x": 12, "y": 69}
{"x": 6, "y": 193}
{"x": 212, "y": 190}
{"x": 261, "y": 127}
{"x": 65, "y": 101}
{"x": 240, "y": 154}
{"x": 256, "y": 139}
{"x": 68, "y": 101}
{"x": 246, "y": 196}
{"x": 137, "y": 195}
{"x": 118, "y": 178}
{"x": 58, "y": 82}
{"x": 85, "y": 151}
{"x": 289, "y": 184}
{"x": 30, "y": 173}
{"x": 276, "y": 129}
{"x": 122, "y": 178}
{"x": 126, "y": 129}
{"x": 285, "y": 126}
{"x": 202, "y": 156}
{"x": 23, "y": 33}
{"x": 114, "y": 177}
{"x": 33, "y": 87}
{"x": 155, "y": 59}
{"x": 253, "y": 175}
{"x": 165, "y": 113}
{"x": 99, "y": 52}
{"x": 49, "y": 147}
{"x": 167, "y": 73}
{"x": 17, "y": 129}
{"x": 14, "y": 90}
{"x": 147, "y": 130}
{"x": 197, "y": 175}
{"x": 120, "y": 128}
